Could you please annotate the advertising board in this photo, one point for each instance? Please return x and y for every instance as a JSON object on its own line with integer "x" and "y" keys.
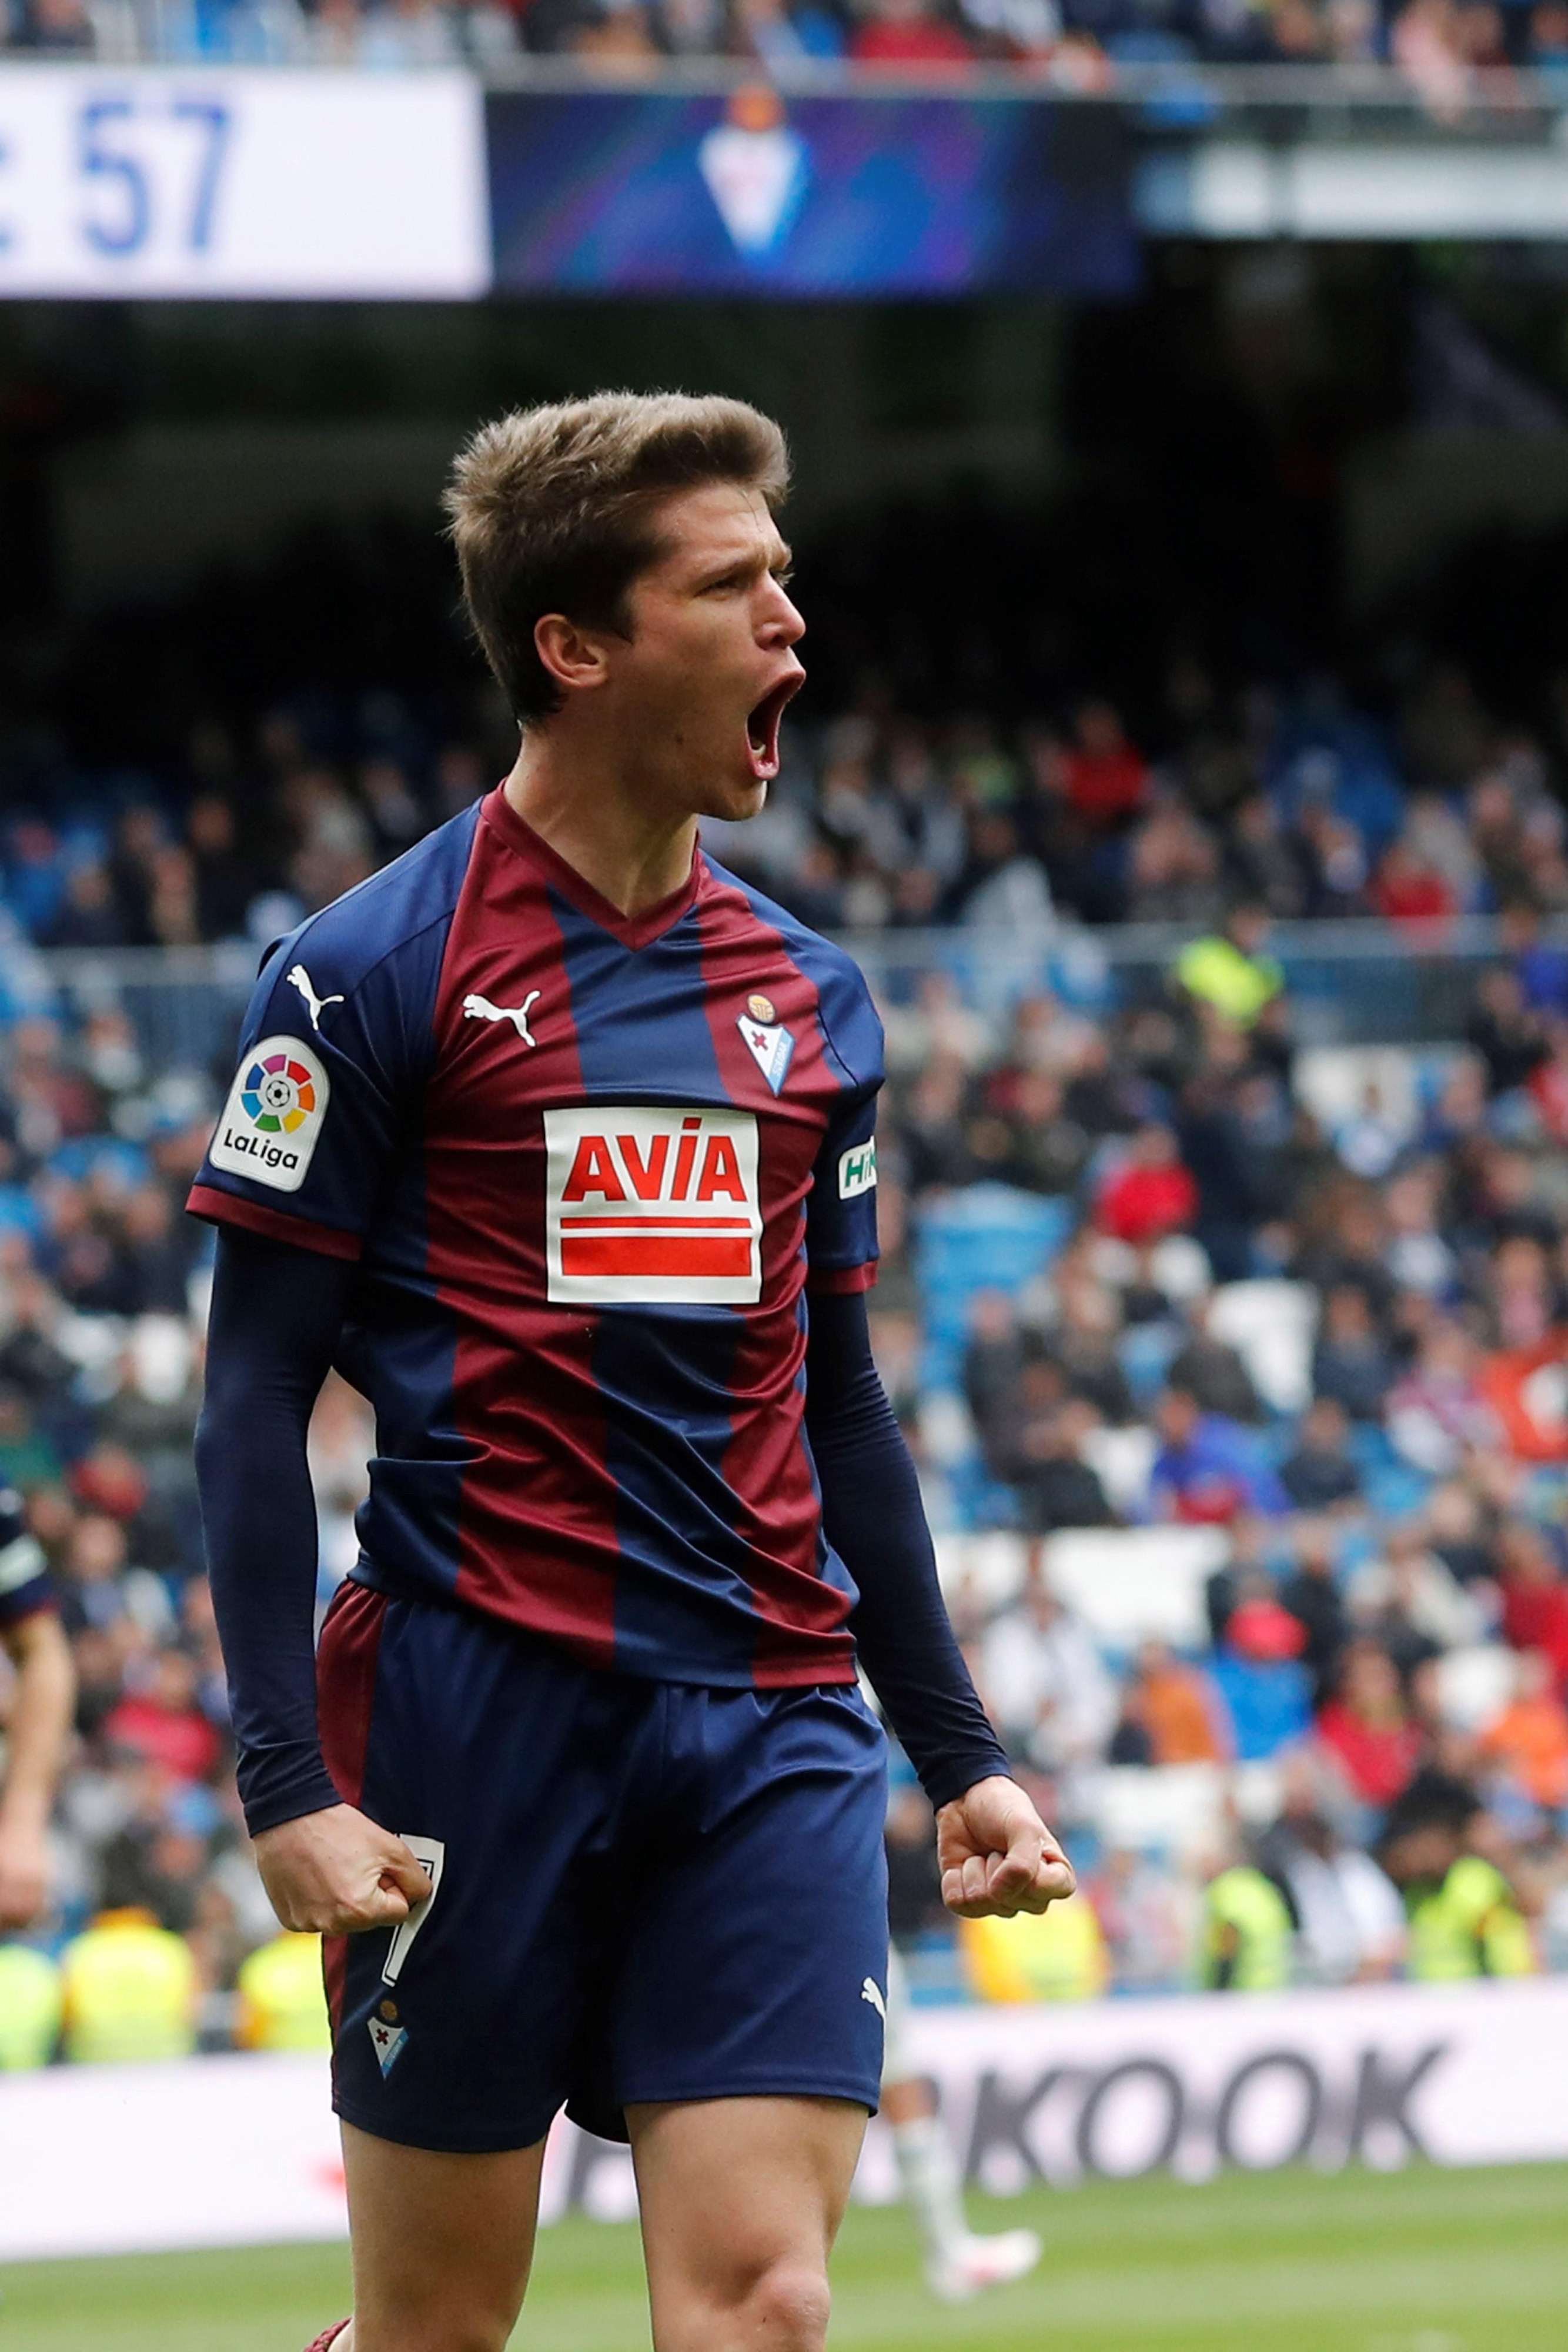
{"x": 655, "y": 191}
{"x": 243, "y": 2150}
{"x": 309, "y": 184}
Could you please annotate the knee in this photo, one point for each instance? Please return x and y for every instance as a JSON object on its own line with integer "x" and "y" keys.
{"x": 786, "y": 2310}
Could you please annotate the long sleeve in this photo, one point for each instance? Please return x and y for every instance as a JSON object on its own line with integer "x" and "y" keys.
{"x": 276, "y": 1313}
{"x": 873, "y": 1518}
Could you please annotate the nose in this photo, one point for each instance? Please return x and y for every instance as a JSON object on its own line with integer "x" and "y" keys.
{"x": 781, "y": 622}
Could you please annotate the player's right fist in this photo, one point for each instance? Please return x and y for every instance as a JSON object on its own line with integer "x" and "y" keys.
{"x": 336, "y": 1872}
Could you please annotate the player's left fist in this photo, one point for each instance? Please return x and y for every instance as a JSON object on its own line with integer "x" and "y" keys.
{"x": 995, "y": 1855}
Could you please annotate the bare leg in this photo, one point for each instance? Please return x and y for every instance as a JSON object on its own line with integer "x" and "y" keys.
{"x": 442, "y": 2245}
{"x": 741, "y": 2201}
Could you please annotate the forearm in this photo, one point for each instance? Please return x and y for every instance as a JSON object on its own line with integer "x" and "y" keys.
{"x": 874, "y": 1518}
{"x": 275, "y": 1317}
{"x": 40, "y": 1722}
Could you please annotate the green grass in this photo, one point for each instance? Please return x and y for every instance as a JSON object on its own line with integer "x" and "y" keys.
{"x": 1415, "y": 2262}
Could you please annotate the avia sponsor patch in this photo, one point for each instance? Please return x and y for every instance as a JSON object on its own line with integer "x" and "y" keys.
{"x": 651, "y": 1207}
{"x": 273, "y": 1116}
{"x": 857, "y": 1170}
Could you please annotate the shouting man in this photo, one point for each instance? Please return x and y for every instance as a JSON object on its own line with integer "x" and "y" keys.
{"x": 558, "y": 1142}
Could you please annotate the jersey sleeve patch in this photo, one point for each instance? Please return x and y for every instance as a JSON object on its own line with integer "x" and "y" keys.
{"x": 273, "y": 1118}
{"x": 857, "y": 1170}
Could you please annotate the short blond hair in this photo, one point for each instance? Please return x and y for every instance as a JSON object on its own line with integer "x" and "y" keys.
{"x": 554, "y": 509}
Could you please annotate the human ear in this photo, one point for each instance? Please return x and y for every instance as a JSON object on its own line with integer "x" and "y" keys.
{"x": 574, "y": 657}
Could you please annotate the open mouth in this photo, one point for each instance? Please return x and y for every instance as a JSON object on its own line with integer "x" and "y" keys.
{"x": 762, "y": 729}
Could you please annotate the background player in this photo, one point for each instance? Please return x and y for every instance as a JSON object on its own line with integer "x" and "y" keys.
{"x": 39, "y": 1721}
{"x": 538, "y": 1137}
{"x": 959, "y": 2263}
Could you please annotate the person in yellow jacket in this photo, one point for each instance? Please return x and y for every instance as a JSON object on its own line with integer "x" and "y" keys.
{"x": 1229, "y": 970}
{"x": 282, "y": 1999}
{"x": 1055, "y": 1955}
{"x": 1465, "y": 1918}
{"x": 30, "y": 2006}
{"x": 1249, "y": 1934}
{"x": 130, "y": 1991}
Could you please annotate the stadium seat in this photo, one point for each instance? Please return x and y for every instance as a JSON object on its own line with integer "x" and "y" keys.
{"x": 1475, "y": 1685}
{"x": 1177, "y": 1808}
{"x": 987, "y": 1569}
{"x": 1136, "y": 1584}
{"x": 1270, "y": 1325}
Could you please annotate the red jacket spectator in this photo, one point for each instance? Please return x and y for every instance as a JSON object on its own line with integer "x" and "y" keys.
{"x": 1408, "y": 891}
{"x": 901, "y": 33}
{"x": 1367, "y": 1727}
{"x": 1153, "y": 1194}
{"x": 1535, "y": 1601}
{"x": 1107, "y": 777}
{"x": 164, "y": 1724}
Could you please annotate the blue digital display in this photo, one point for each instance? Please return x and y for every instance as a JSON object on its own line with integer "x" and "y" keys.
{"x": 629, "y": 192}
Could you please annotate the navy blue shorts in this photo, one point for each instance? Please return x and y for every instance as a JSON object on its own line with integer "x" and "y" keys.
{"x": 646, "y": 1890}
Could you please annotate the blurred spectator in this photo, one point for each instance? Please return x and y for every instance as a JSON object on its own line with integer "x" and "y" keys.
{"x": 895, "y": 33}
{"x": 1176, "y": 1710}
{"x": 1058, "y": 1955}
{"x": 130, "y": 1991}
{"x": 1312, "y": 1595}
{"x": 1208, "y": 1468}
{"x": 1368, "y": 1728}
{"x": 1266, "y": 1690}
{"x": 1151, "y": 1194}
{"x": 1349, "y": 1922}
{"x": 1464, "y": 1916}
{"x": 1319, "y": 1473}
{"x": 1529, "y": 1740}
{"x": 1231, "y": 972}
{"x": 1351, "y": 1366}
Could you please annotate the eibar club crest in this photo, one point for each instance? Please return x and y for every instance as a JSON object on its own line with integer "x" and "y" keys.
{"x": 389, "y": 2040}
{"x": 770, "y": 1043}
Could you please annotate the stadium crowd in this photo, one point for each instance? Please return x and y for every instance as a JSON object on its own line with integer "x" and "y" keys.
{"x": 1313, "y": 1308}
{"x": 880, "y": 821}
{"x": 1451, "y": 52}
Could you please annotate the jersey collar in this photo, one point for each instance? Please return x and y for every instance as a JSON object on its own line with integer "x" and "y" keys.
{"x": 631, "y": 931}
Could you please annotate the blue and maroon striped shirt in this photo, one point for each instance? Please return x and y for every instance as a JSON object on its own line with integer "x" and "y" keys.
{"x": 587, "y": 1166}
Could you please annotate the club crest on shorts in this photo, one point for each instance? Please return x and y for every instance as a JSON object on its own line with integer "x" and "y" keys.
{"x": 768, "y": 1042}
{"x": 389, "y": 2042}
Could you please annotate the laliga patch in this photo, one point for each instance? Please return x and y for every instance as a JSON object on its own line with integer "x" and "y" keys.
{"x": 389, "y": 2042}
{"x": 648, "y": 1207}
{"x": 272, "y": 1120}
{"x": 771, "y": 1046}
{"x": 857, "y": 1170}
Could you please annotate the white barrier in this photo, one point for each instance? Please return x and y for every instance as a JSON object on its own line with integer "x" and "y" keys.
{"x": 232, "y": 2151}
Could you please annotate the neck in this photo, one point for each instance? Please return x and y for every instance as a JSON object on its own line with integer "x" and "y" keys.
{"x": 590, "y": 813}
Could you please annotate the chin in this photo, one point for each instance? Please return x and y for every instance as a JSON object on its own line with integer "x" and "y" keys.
{"x": 734, "y": 802}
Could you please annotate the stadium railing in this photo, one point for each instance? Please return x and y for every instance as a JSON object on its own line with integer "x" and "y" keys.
{"x": 1354, "y": 982}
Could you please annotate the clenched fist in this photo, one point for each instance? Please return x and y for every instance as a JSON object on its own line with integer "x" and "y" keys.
{"x": 996, "y": 1855}
{"x": 337, "y": 1874}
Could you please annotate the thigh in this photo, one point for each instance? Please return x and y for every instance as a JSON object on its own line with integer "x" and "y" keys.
{"x": 756, "y": 1959}
{"x": 442, "y": 2243}
{"x": 497, "y": 1763}
{"x": 741, "y": 2201}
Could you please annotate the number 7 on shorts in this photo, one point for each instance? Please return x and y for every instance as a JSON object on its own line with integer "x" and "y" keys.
{"x": 431, "y": 1854}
